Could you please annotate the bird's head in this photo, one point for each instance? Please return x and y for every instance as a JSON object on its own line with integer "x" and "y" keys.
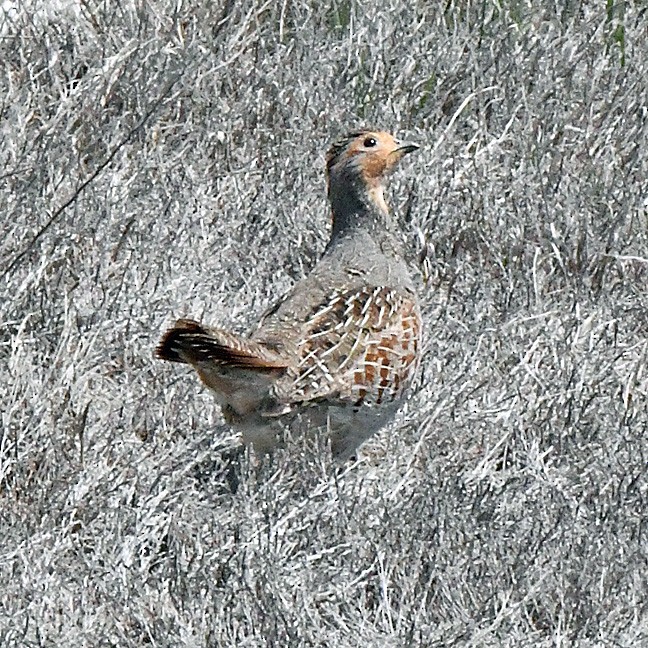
{"x": 358, "y": 164}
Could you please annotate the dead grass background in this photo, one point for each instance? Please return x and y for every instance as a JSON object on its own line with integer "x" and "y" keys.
{"x": 163, "y": 159}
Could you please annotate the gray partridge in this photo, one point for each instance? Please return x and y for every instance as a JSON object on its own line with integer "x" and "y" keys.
{"x": 338, "y": 352}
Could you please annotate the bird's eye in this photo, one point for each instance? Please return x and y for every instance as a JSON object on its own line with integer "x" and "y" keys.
{"x": 370, "y": 142}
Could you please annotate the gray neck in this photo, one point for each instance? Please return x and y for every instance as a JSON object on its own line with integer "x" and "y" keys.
{"x": 354, "y": 208}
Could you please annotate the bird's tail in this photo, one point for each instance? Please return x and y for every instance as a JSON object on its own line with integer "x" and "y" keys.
{"x": 191, "y": 343}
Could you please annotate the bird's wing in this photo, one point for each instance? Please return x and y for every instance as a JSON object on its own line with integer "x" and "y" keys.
{"x": 359, "y": 346}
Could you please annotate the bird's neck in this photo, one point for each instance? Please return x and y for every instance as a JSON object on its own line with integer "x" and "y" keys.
{"x": 357, "y": 206}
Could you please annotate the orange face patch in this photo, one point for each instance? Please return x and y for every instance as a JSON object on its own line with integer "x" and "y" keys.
{"x": 373, "y": 166}
{"x": 370, "y": 153}
{"x": 373, "y": 161}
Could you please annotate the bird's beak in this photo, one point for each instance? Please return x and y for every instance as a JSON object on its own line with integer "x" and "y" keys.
{"x": 406, "y": 147}
{"x": 402, "y": 148}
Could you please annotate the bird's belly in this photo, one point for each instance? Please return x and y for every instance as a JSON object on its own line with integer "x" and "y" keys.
{"x": 345, "y": 426}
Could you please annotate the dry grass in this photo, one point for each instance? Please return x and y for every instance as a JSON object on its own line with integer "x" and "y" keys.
{"x": 165, "y": 159}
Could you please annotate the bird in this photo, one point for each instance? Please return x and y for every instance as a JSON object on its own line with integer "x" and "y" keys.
{"x": 339, "y": 352}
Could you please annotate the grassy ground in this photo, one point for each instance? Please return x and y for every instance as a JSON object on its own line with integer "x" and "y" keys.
{"x": 164, "y": 159}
